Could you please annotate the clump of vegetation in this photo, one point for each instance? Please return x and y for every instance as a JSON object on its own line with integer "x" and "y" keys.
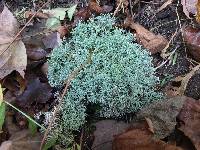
{"x": 115, "y": 73}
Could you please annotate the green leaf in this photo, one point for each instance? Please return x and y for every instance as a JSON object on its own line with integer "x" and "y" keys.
{"x": 1, "y": 95}
{"x": 49, "y": 143}
{"x": 32, "y": 127}
{"x": 2, "y": 114}
{"x": 53, "y": 23}
{"x": 71, "y": 11}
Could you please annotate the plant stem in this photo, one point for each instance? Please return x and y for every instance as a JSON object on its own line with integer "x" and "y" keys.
{"x": 28, "y": 117}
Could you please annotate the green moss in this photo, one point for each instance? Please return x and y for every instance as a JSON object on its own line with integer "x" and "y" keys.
{"x": 119, "y": 76}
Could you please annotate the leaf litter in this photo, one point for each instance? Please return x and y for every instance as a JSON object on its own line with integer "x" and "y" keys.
{"x": 159, "y": 119}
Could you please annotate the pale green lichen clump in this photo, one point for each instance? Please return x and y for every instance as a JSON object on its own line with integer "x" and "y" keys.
{"x": 118, "y": 75}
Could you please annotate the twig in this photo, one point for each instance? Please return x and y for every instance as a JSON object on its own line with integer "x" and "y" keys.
{"x": 67, "y": 84}
{"x": 25, "y": 26}
{"x": 81, "y": 139}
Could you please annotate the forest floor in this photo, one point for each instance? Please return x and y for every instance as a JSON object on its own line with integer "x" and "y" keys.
{"x": 169, "y": 29}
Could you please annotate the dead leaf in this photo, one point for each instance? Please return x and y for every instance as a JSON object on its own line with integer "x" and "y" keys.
{"x": 82, "y": 14}
{"x": 105, "y": 130}
{"x": 190, "y": 117}
{"x": 35, "y": 53}
{"x": 189, "y": 7}
{"x": 14, "y": 58}
{"x": 198, "y": 11}
{"x": 191, "y": 37}
{"x": 52, "y": 40}
{"x": 36, "y": 92}
{"x": 95, "y": 8}
{"x": 20, "y": 139}
{"x": 154, "y": 43}
{"x": 150, "y": 124}
{"x": 140, "y": 138}
{"x": 163, "y": 115}
{"x": 29, "y": 14}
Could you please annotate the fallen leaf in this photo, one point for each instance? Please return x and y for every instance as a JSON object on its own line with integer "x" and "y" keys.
{"x": 53, "y": 23}
{"x": 150, "y": 124}
{"x": 56, "y": 12}
{"x": 71, "y": 11}
{"x": 105, "y": 131}
{"x": 163, "y": 115}
{"x": 95, "y": 8}
{"x": 20, "y": 139}
{"x": 154, "y": 43}
{"x": 35, "y": 92}
{"x": 192, "y": 39}
{"x": 29, "y": 14}
{"x": 35, "y": 53}
{"x": 52, "y": 40}
{"x": 190, "y": 117}
{"x": 63, "y": 30}
{"x": 140, "y": 138}
{"x": 198, "y": 10}
{"x": 189, "y": 7}
{"x": 82, "y": 14}
{"x": 13, "y": 58}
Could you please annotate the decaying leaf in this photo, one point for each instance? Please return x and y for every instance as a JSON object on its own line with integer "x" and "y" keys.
{"x": 52, "y": 40}
{"x": 105, "y": 131}
{"x": 94, "y": 7}
{"x": 163, "y": 115}
{"x": 191, "y": 37}
{"x": 154, "y": 43}
{"x": 35, "y": 53}
{"x": 14, "y": 57}
{"x": 140, "y": 138}
{"x": 20, "y": 139}
{"x": 190, "y": 117}
{"x": 189, "y": 7}
{"x": 35, "y": 92}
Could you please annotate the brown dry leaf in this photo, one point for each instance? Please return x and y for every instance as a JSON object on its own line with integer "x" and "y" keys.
{"x": 20, "y": 139}
{"x": 14, "y": 58}
{"x": 190, "y": 116}
{"x": 35, "y": 53}
{"x": 105, "y": 132}
{"x": 154, "y": 43}
{"x": 192, "y": 39}
{"x": 41, "y": 15}
{"x": 150, "y": 124}
{"x": 52, "y": 40}
{"x": 36, "y": 92}
{"x": 140, "y": 138}
{"x": 163, "y": 115}
{"x": 189, "y": 7}
{"x": 94, "y": 7}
